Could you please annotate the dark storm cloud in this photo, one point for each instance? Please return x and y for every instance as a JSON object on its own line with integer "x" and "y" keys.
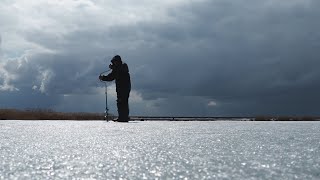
{"x": 245, "y": 54}
{"x": 249, "y": 57}
{"x": 266, "y": 58}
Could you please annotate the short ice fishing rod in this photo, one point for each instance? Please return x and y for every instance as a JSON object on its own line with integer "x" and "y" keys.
{"x": 106, "y": 112}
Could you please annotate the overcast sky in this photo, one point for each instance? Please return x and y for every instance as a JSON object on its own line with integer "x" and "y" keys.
{"x": 186, "y": 57}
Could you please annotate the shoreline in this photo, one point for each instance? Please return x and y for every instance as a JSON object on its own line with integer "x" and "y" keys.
{"x": 165, "y": 120}
{"x": 47, "y": 114}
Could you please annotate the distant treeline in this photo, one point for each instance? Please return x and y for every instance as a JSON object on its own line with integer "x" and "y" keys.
{"x": 225, "y": 118}
{"x": 287, "y": 118}
{"x": 47, "y": 114}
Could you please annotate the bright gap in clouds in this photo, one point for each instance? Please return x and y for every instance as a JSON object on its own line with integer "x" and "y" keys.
{"x": 212, "y": 103}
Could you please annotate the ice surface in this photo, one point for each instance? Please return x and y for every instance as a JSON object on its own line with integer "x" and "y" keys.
{"x": 159, "y": 150}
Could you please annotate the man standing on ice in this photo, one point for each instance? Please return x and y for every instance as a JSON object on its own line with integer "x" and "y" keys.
{"x": 120, "y": 73}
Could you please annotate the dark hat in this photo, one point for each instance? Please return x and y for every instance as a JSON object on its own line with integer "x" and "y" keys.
{"x": 116, "y": 58}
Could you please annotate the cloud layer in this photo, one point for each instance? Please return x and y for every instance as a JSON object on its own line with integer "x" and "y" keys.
{"x": 217, "y": 57}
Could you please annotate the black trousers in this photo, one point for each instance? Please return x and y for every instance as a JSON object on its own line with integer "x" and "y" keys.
{"x": 123, "y": 105}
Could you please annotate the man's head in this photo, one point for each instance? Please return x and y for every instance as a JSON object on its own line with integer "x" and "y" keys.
{"x": 116, "y": 60}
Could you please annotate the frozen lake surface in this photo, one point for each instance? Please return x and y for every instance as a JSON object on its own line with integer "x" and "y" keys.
{"x": 159, "y": 150}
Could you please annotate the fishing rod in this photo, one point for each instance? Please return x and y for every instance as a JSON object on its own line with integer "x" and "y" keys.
{"x": 106, "y": 112}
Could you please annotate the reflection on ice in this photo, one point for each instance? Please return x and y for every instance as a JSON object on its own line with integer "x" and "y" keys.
{"x": 151, "y": 150}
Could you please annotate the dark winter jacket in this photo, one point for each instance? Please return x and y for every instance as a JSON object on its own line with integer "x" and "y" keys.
{"x": 121, "y": 76}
